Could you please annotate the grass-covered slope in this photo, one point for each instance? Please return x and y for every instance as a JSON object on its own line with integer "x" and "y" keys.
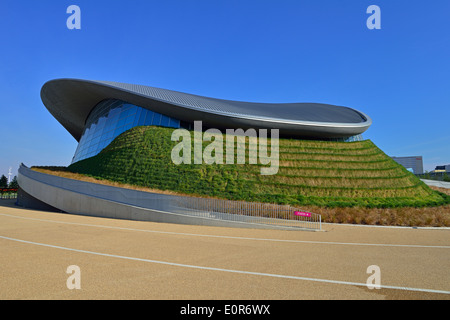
{"x": 332, "y": 174}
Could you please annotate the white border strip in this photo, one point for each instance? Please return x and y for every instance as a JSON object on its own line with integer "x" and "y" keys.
{"x": 224, "y": 270}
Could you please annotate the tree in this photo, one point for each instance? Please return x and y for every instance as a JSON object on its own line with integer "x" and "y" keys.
{"x": 3, "y": 182}
{"x": 446, "y": 177}
{"x": 14, "y": 184}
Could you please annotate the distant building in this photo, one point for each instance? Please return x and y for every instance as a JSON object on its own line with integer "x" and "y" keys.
{"x": 442, "y": 169}
{"x": 413, "y": 164}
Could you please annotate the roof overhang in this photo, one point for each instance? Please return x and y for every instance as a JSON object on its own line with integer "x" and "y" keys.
{"x": 70, "y": 101}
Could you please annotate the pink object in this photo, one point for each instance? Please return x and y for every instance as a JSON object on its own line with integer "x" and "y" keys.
{"x": 302, "y": 214}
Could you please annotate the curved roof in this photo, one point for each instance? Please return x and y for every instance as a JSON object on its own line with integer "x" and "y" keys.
{"x": 71, "y": 100}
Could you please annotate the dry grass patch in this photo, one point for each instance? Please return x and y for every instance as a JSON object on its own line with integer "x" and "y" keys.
{"x": 411, "y": 217}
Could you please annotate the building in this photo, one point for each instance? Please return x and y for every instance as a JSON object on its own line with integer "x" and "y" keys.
{"x": 442, "y": 169}
{"x": 413, "y": 163}
{"x": 96, "y": 112}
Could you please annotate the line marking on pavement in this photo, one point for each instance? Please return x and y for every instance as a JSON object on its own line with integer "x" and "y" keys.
{"x": 223, "y": 270}
{"x": 236, "y": 238}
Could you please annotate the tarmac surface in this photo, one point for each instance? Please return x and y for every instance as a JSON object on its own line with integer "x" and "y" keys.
{"x": 122, "y": 259}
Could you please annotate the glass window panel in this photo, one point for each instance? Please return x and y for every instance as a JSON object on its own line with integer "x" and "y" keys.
{"x": 126, "y": 106}
{"x": 102, "y": 122}
{"x": 127, "y": 126}
{"x": 130, "y": 119}
{"x": 137, "y": 116}
{"x": 142, "y": 117}
{"x": 95, "y": 140}
{"x": 114, "y": 111}
{"x": 123, "y": 114}
{"x": 101, "y": 145}
{"x": 109, "y": 134}
{"x": 121, "y": 122}
{"x": 149, "y": 118}
{"x": 118, "y": 131}
{"x": 164, "y": 121}
{"x": 86, "y": 132}
{"x": 113, "y": 115}
{"x": 108, "y": 141}
{"x": 127, "y": 112}
{"x": 156, "y": 119}
{"x": 132, "y": 110}
{"x": 174, "y": 123}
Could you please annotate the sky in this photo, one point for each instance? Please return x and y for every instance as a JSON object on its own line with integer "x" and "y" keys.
{"x": 260, "y": 51}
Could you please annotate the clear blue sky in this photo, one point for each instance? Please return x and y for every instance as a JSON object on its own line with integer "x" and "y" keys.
{"x": 262, "y": 51}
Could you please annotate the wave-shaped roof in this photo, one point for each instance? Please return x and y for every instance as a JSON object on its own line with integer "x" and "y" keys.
{"x": 71, "y": 100}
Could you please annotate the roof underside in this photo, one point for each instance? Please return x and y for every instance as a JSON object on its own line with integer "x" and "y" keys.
{"x": 71, "y": 100}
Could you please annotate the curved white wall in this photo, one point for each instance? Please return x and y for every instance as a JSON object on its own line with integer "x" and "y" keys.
{"x": 85, "y": 198}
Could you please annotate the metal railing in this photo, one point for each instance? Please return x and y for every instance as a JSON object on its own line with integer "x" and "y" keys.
{"x": 247, "y": 212}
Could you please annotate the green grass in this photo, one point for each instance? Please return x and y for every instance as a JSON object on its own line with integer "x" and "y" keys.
{"x": 318, "y": 173}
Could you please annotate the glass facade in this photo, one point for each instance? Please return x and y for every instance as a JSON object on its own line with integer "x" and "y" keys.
{"x": 112, "y": 117}
{"x": 358, "y": 137}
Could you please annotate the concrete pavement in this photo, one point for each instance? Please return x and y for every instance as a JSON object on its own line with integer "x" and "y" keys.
{"x": 122, "y": 259}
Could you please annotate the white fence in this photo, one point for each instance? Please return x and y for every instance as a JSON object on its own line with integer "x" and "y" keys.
{"x": 247, "y": 212}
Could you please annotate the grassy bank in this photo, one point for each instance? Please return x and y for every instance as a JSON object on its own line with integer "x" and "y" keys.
{"x": 405, "y": 216}
{"x": 311, "y": 173}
